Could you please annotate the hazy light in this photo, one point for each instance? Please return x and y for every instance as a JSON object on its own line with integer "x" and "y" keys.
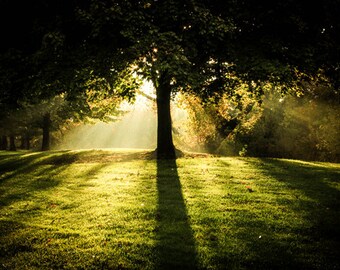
{"x": 136, "y": 129}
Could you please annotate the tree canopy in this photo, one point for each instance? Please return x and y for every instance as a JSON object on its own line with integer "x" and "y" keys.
{"x": 202, "y": 46}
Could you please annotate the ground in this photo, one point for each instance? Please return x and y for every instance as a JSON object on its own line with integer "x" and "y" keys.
{"x": 123, "y": 209}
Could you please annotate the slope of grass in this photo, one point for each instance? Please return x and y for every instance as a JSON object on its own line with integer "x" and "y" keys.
{"x": 123, "y": 210}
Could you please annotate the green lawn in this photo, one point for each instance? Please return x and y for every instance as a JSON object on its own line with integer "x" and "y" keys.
{"x": 124, "y": 210}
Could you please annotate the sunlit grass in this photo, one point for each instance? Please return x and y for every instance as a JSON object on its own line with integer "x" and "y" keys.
{"x": 114, "y": 210}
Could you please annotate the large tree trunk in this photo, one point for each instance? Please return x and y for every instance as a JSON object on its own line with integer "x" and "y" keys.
{"x": 4, "y": 143}
{"x": 12, "y": 146}
{"x": 165, "y": 147}
{"x": 46, "y": 132}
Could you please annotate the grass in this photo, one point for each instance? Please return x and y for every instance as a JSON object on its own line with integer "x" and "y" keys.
{"x": 123, "y": 210}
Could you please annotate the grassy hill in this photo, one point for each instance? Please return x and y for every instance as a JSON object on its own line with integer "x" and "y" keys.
{"x": 124, "y": 210}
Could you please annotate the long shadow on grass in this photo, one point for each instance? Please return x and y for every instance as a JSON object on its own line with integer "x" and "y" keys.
{"x": 23, "y": 174}
{"x": 175, "y": 242}
{"x": 317, "y": 201}
{"x": 16, "y": 227}
{"x": 28, "y": 162}
{"x": 314, "y": 181}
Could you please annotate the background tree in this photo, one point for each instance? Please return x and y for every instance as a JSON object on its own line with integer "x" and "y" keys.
{"x": 43, "y": 57}
{"x": 290, "y": 126}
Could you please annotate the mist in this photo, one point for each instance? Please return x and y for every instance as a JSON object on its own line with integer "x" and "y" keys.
{"x": 136, "y": 128}
{"x": 304, "y": 127}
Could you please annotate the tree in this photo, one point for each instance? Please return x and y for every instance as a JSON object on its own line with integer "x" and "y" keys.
{"x": 300, "y": 127}
{"x": 199, "y": 46}
{"x": 38, "y": 64}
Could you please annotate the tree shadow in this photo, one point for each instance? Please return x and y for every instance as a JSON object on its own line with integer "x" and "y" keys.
{"x": 33, "y": 172}
{"x": 299, "y": 232}
{"x": 28, "y": 162}
{"x": 175, "y": 247}
{"x": 27, "y": 192}
{"x": 316, "y": 201}
{"x": 315, "y": 182}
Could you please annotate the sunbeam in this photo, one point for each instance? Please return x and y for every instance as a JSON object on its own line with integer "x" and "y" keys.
{"x": 136, "y": 128}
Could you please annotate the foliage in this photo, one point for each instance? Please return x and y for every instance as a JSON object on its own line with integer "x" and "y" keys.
{"x": 302, "y": 124}
{"x": 210, "y": 121}
{"x": 304, "y": 127}
{"x": 205, "y": 47}
{"x": 193, "y": 130}
{"x": 49, "y": 58}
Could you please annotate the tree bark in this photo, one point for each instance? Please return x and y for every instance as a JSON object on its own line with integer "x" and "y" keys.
{"x": 27, "y": 142}
{"x": 12, "y": 146}
{"x": 22, "y": 142}
{"x": 4, "y": 143}
{"x": 165, "y": 147}
{"x": 46, "y": 132}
